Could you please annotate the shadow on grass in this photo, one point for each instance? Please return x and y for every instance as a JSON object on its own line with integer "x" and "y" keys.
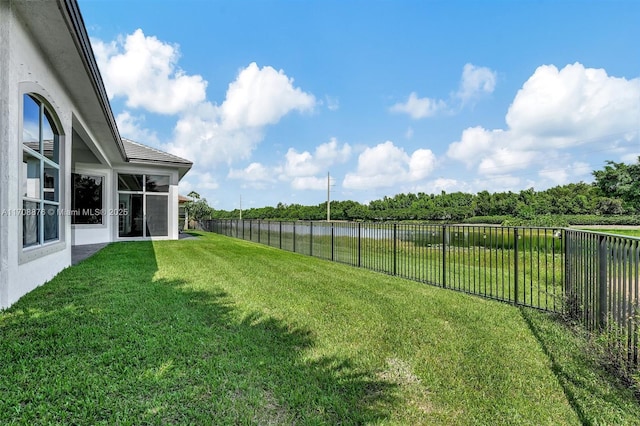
{"x": 105, "y": 342}
{"x": 589, "y": 388}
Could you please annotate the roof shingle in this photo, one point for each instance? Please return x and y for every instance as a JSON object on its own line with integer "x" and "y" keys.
{"x": 137, "y": 152}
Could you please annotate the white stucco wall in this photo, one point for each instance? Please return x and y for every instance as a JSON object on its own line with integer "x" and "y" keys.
{"x": 5, "y": 62}
{"x": 25, "y": 70}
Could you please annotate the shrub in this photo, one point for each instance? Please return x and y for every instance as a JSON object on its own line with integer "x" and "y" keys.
{"x": 490, "y": 220}
{"x": 545, "y": 220}
{"x": 603, "y": 220}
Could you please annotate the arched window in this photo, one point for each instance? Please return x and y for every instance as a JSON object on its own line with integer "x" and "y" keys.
{"x": 40, "y": 174}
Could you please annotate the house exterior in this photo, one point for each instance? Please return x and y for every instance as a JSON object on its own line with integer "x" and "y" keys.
{"x": 67, "y": 177}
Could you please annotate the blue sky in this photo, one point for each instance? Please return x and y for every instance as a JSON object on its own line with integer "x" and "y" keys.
{"x": 267, "y": 97}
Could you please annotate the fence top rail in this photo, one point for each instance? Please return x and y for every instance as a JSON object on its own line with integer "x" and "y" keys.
{"x": 601, "y": 233}
{"x": 447, "y": 225}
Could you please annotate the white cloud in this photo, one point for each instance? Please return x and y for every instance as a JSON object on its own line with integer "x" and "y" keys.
{"x": 144, "y": 71}
{"x": 506, "y": 160}
{"x": 198, "y": 181}
{"x": 386, "y": 165}
{"x": 409, "y": 133}
{"x": 419, "y": 107}
{"x": 474, "y": 142}
{"x": 131, "y": 127}
{"x": 299, "y": 164}
{"x": 254, "y": 172}
{"x": 331, "y": 152}
{"x": 333, "y": 103}
{"x": 223, "y": 134}
{"x": 441, "y": 184}
{"x": 567, "y": 173}
{"x": 262, "y": 96}
{"x": 573, "y": 105}
{"x": 475, "y": 82}
{"x": 630, "y": 158}
{"x": 501, "y": 183}
{"x": 554, "y": 111}
{"x": 302, "y": 170}
{"x": 255, "y": 175}
{"x": 421, "y": 164}
{"x": 309, "y": 182}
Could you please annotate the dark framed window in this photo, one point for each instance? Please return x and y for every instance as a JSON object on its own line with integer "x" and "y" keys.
{"x": 156, "y": 183}
{"x": 86, "y": 199}
{"x": 40, "y": 173}
{"x": 130, "y": 182}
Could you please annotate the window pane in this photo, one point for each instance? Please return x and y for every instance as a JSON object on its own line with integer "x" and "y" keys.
{"x": 30, "y": 176}
{"x": 31, "y": 123}
{"x": 50, "y": 222}
{"x": 30, "y": 230}
{"x": 86, "y": 199}
{"x": 157, "y": 183}
{"x": 129, "y": 182}
{"x": 157, "y": 215}
{"x": 49, "y": 138}
{"x": 51, "y": 191}
{"x": 130, "y": 221}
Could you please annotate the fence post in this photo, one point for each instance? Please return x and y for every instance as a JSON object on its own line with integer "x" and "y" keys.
{"x": 250, "y": 230}
{"x": 395, "y": 249}
{"x": 359, "y": 244}
{"x": 259, "y": 229}
{"x": 332, "y": 239}
{"x": 515, "y": 265}
{"x": 280, "y": 234}
{"x": 568, "y": 276}
{"x": 294, "y": 236}
{"x": 444, "y": 256}
{"x": 268, "y": 233}
{"x": 602, "y": 281}
{"x": 311, "y": 238}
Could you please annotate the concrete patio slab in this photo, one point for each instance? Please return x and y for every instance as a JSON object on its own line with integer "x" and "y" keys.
{"x": 80, "y": 253}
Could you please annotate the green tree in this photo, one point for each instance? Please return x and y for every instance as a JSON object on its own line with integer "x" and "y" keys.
{"x": 620, "y": 180}
{"x": 197, "y": 208}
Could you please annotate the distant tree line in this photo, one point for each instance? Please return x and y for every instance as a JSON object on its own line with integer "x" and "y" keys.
{"x": 615, "y": 191}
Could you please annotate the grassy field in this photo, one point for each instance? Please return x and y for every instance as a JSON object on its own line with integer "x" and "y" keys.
{"x": 479, "y": 260}
{"x": 612, "y": 230}
{"x": 222, "y": 331}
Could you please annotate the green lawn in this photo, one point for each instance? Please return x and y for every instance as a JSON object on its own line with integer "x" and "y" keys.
{"x": 222, "y": 331}
{"x": 627, "y": 231}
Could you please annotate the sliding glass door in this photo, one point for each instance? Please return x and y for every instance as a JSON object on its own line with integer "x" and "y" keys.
{"x": 143, "y": 205}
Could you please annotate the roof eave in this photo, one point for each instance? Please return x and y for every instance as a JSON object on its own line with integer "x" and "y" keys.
{"x": 78, "y": 31}
{"x": 183, "y": 167}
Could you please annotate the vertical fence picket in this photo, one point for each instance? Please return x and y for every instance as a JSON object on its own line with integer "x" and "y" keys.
{"x": 516, "y": 261}
{"x": 445, "y": 237}
{"x": 602, "y": 281}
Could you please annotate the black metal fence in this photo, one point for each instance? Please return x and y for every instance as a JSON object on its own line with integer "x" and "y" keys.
{"x": 587, "y": 275}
